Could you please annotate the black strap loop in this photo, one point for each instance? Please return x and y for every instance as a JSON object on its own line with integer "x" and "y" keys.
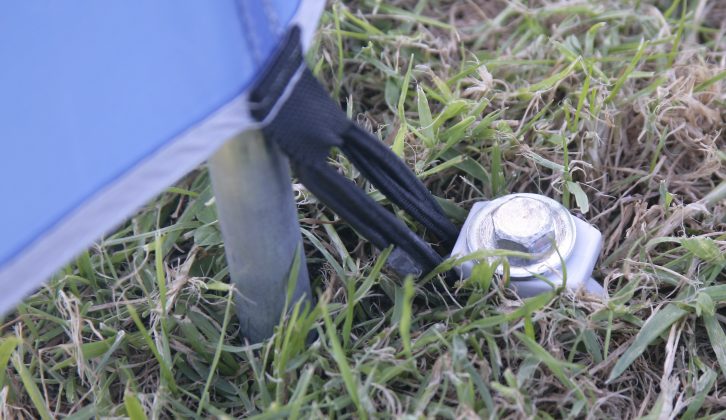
{"x": 308, "y": 124}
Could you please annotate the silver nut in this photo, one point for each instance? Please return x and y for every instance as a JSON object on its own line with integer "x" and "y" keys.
{"x": 524, "y": 224}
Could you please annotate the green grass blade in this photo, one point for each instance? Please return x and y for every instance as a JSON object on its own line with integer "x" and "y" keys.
{"x": 133, "y": 407}
{"x": 702, "y": 387}
{"x": 426, "y": 121}
{"x": 626, "y": 73}
{"x": 551, "y": 81}
{"x": 557, "y": 367}
{"x": 165, "y": 369}
{"x": 656, "y": 324}
{"x": 580, "y": 197}
{"x": 705, "y": 84}
{"x": 404, "y": 325}
{"x": 718, "y": 340}
{"x": 338, "y": 354}
{"x": 217, "y": 354}
{"x": 7, "y": 346}
{"x": 31, "y": 388}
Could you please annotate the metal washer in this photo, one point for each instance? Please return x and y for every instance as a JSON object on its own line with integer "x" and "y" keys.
{"x": 480, "y": 235}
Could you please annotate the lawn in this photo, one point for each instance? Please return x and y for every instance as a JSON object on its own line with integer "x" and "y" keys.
{"x": 615, "y": 109}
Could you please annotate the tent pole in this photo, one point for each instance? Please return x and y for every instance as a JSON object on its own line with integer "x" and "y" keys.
{"x": 259, "y": 223}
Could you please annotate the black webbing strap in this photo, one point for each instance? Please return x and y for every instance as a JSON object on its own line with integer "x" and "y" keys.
{"x": 307, "y": 124}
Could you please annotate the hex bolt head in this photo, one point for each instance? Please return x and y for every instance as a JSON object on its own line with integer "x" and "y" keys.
{"x": 526, "y": 225}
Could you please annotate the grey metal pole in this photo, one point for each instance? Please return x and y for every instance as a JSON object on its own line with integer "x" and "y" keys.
{"x": 258, "y": 219}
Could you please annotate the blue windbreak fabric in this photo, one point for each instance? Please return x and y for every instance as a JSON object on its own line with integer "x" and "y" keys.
{"x": 88, "y": 89}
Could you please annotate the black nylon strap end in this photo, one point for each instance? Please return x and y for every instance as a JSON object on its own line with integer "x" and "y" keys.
{"x": 308, "y": 124}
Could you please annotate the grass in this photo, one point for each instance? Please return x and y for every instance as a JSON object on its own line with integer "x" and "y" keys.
{"x": 616, "y": 109}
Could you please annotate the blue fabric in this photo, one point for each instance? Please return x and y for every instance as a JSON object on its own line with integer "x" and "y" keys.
{"x": 89, "y": 88}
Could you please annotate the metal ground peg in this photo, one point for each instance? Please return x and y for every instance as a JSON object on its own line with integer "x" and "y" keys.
{"x": 259, "y": 223}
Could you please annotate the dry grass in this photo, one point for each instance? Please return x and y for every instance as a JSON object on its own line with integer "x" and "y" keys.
{"x": 615, "y": 109}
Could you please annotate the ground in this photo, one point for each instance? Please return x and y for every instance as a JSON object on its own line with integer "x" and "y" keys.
{"x": 615, "y": 109}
